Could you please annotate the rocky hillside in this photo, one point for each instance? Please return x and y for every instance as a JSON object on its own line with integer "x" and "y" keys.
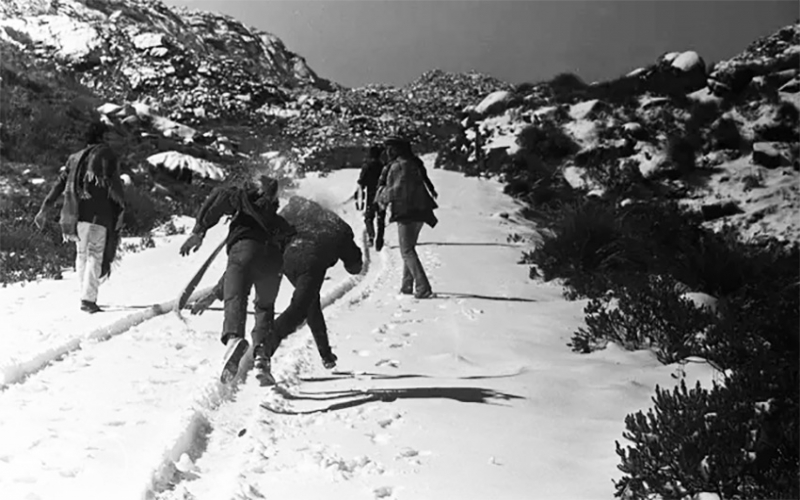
{"x": 725, "y": 144}
{"x": 194, "y": 66}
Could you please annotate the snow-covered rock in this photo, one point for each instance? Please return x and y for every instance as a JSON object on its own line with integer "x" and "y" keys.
{"x": 494, "y": 104}
{"x": 688, "y": 61}
{"x": 71, "y": 41}
{"x": 173, "y": 160}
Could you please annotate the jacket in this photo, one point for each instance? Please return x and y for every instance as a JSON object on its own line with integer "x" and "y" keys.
{"x": 406, "y": 191}
{"x": 251, "y": 220}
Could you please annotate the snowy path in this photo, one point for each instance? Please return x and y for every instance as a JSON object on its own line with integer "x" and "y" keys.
{"x": 473, "y": 394}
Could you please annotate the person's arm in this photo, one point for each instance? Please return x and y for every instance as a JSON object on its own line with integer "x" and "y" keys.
{"x": 57, "y": 190}
{"x": 50, "y": 199}
{"x": 427, "y": 180}
{"x": 221, "y": 201}
{"x": 362, "y": 176}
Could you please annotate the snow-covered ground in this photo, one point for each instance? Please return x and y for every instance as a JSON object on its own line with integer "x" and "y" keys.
{"x": 473, "y": 394}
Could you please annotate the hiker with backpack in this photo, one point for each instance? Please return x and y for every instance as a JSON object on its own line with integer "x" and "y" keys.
{"x": 406, "y": 190}
{"x": 92, "y": 213}
{"x": 257, "y": 237}
{"x": 368, "y": 182}
{"x": 322, "y": 239}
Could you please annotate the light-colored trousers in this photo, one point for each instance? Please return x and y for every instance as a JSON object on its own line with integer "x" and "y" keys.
{"x": 89, "y": 260}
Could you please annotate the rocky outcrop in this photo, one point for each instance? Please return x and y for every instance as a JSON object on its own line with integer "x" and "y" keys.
{"x": 196, "y": 66}
{"x": 773, "y": 60}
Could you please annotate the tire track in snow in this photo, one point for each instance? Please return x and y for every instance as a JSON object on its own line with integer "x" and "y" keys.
{"x": 216, "y": 424}
{"x": 19, "y": 372}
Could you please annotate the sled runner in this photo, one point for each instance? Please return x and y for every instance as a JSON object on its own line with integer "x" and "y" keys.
{"x": 190, "y": 287}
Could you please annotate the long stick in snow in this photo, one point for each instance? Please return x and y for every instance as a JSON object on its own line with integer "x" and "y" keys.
{"x": 189, "y": 288}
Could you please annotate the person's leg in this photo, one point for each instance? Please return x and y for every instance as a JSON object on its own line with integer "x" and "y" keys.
{"x": 81, "y": 249}
{"x": 267, "y": 281}
{"x": 307, "y": 287}
{"x": 381, "y": 216}
{"x": 316, "y": 322}
{"x": 95, "y": 247}
{"x": 238, "y": 280}
{"x": 407, "y": 234}
{"x": 369, "y": 221}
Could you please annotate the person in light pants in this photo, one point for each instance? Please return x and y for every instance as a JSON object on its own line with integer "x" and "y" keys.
{"x": 92, "y": 213}
{"x": 89, "y": 259}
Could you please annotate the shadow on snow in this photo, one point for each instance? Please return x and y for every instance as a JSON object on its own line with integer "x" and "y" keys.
{"x": 353, "y": 398}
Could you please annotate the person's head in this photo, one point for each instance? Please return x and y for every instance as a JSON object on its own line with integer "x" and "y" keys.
{"x": 351, "y": 258}
{"x": 397, "y": 146}
{"x": 96, "y": 132}
{"x": 375, "y": 151}
{"x": 267, "y": 189}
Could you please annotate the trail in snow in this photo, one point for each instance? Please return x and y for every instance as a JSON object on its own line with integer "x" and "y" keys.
{"x": 472, "y": 394}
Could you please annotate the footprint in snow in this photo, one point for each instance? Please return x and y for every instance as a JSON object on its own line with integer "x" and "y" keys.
{"x": 391, "y": 362}
{"x": 383, "y": 492}
{"x": 379, "y": 438}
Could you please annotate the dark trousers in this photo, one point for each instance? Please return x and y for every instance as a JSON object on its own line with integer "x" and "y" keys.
{"x": 370, "y": 213}
{"x": 305, "y": 306}
{"x": 413, "y": 272}
{"x": 251, "y": 264}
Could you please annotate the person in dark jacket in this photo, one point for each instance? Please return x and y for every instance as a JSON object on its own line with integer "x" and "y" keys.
{"x": 322, "y": 239}
{"x": 256, "y": 239}
{"x": 93, "y": 210}
{"x": 408, "y": 192}
{"x": 368, "y": 181}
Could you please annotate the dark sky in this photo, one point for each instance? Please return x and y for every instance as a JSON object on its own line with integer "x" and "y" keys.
{"x": 355, "y": 42}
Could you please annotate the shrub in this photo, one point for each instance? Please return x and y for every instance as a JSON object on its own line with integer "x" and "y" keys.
{"x": 586, "y": 246}
{"x": 681, "y": 152}
{"x": 739, "y": 440}
{"x": 647, "y": 314}
{"x": 143, "y": 211}
{"x": 725, "y": 134}
{"x": 547, "y": 141}
{"x": 28, "y": 254}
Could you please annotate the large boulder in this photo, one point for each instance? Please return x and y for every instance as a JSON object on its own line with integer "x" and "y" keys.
{"x": 769, "y": 155}
{"x": 494, "y": 104}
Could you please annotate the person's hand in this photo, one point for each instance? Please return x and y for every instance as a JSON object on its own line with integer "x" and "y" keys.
{"x": 40, "y": 220}
{"x": 434, "y": 194}
{"x": 203, "y": 303}
{"x": 192, "y": 244}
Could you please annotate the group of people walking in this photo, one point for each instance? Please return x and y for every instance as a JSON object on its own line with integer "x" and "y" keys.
{"x": 301, "y": 241}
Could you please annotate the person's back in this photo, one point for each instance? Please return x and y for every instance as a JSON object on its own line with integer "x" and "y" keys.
{"x": 322, "y": 238}
{"x": 92, "y": 212}
{"x": 371, "y": 173}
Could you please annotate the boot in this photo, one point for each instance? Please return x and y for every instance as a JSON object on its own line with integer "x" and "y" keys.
{"x": 90, "y": 307}
{"x": 263, "y": 367}
{"x": 237, "y": 346}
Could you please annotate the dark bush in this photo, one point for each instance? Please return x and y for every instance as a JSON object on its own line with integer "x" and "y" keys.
{"x": 739, "y": 440}
{"x": 143, "y": 211}
{"x": 647, "y": 313}
{"x": 725, "y": 134}
{"x": 586, "y": 248}
{"x": 547, "y": 141}
{"x": 681, "y": 152}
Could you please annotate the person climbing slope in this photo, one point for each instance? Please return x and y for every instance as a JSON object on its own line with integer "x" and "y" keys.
{"x": 322, "y": 239}
{"x": 257, "y": 236}
{"x": 93, "y": 211}
{"x": 408, "y": 192}
{"x": 368, "y": 181}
